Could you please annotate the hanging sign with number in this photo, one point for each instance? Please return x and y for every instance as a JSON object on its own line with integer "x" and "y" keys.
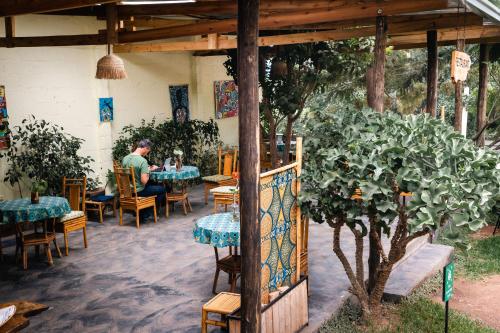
{"x": 460, "y": 66}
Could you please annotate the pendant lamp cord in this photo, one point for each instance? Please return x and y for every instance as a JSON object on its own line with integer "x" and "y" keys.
{"x": 109, "y": 49}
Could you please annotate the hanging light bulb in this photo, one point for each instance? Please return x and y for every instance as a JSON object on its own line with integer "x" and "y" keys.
{"x": 110, "y": 67}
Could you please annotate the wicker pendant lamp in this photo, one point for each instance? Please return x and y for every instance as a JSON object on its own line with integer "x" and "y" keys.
{"x": 110, "y": 67}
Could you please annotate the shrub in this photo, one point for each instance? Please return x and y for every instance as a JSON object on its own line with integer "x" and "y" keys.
{"x": 42, "y": 151}
{"x": 197, "y": 139}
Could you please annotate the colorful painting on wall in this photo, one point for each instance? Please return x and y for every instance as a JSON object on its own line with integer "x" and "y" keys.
{"x": 179, "y": 99}
{"x": 226, "y": 99}
{"x": 106, "y": 109}
{"x": 4, "y": 121}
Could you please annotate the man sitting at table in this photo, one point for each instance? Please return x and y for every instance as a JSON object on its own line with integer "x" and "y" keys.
{"x": 142, "y": 171}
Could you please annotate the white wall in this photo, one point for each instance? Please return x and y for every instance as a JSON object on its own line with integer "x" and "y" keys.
{"x": 57, "y": 84}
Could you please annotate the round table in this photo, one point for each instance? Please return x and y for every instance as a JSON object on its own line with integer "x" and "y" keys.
{"x": 186, "y": 172}
{"x": 22, "y": 210}
{"x": 218, "y": 230}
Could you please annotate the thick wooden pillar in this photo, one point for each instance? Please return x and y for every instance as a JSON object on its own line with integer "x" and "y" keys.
{"x": 379, "y": 65}
{"x": 482, "y": 98}
{"x": 432, "y": 72}
{"x": 10, "y": 30}
{"x": 248, "y": 88}
{"x": 111, "y": 24}
{"x": 459, "y": 87}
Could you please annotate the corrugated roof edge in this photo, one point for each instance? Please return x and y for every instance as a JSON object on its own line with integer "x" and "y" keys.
{"x": 485, "y": 9}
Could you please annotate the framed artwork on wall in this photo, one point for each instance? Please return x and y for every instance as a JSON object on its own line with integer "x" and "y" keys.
{"x": 226, "y": 99}
{"x": 4, "y": 121}
{"x": 106, "y": 109}
{"x": 179, "y": 99}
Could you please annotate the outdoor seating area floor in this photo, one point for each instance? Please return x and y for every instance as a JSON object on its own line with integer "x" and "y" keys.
{"x": 154, "y": 279}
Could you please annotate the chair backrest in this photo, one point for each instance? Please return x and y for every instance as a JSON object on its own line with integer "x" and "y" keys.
{"x": 125, "y": 182}
{"x": 228, "y": 160}
{"x": 74, "y": 189}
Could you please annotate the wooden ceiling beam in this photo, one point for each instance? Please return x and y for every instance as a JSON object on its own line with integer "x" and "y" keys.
{"x": 63, "y": 40}
{"x": 10, "y": 30}
{"x": 21, "y": 7}
{"x": 361, "y": 11}
{"x": 446, "y": 35}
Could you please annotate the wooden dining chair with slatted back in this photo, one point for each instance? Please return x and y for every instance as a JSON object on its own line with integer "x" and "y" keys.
{"x": 228, "y": 160}
{"x": 125, "y": 182}
{"x": 74, "y": 190}
{"x": 37, "y": 238}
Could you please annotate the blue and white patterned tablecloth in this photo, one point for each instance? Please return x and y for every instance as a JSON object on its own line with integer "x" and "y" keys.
{"x": 22, "y": 210}
{"x": 187, "y": 172}
{"x": 218, "y": 230}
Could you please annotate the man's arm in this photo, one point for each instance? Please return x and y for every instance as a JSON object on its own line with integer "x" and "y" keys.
{"x": 144, "y": 173}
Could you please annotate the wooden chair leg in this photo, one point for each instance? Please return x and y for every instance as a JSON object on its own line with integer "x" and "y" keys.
{"x": 215, "y": 281}
{"x": 25, "y": 258}
{"x": 49, "y": 254}
{"x": 204, "y": 321}
{"x": 121, "y": 216}
{"x": 184, "y": 207}
{"x": 189, "y": 204}
{"x": 85, "y": 237}
{"x": 101, "y": 208}
{"x": 137, "y": 218}
{"x": 233, "y": 282}
{"x": 66, "y": 243}
{"x": 167, "y": 208}
{"x": 154, "y": 211}
{"x": 57, "y": 248}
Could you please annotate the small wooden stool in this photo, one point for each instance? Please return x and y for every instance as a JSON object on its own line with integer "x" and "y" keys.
{"x": 178, "y": 197}
{"x": 98, "y": 203}
{"x": 223, "y": 304}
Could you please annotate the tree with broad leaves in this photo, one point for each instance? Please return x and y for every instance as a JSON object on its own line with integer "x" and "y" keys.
{"x": 356, "y": 165}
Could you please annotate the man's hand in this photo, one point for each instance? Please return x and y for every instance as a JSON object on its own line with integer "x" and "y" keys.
{"x": 153, "y": 167}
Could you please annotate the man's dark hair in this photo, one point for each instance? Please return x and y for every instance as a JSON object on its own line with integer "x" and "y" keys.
{"x": 144, "y": 143}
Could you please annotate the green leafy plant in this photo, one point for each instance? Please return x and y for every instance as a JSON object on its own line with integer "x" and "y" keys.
{"x": 358, "y": 162}
{"x": 197, "y": 140}
{"x": 44, "y": 152}
{"x": 39, "y": 186}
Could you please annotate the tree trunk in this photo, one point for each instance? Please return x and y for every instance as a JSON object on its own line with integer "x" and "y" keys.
{"x": 288, "y": 140}
{"x": 380, "y": 45}
{"x": 482, "y": 98}
{"x": 432, "y": 72}
{"x": 374, "y": 255}
{"x": 273, "y": 148}
{"x": 370, "y": 87}
{"x": 458, "y": 95}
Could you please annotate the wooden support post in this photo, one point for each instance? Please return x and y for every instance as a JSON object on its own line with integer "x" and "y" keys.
{"x": 10, "y": 30}
{"x": 112, "y": 24}
{"x": 459, "y": 87}
{"x": 248, "y": 89}
{"x": 379, "y": 66}
{"x": 432, "y": 72}
{"x": 482, "y": 98}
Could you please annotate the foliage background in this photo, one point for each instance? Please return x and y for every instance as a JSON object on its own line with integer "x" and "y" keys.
{"x": 197, "y": 139}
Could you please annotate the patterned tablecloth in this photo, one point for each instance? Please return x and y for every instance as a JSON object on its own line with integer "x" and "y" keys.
{"x": 187, "y": 172}
{"x": 22, "y": 210}
{"x": 218, "y": 230}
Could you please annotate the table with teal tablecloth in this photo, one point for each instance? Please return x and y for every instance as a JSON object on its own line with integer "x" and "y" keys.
{"x": 187, "y": 172}
{"x": 218, "y": 230}
{"x": 22, "y": 210}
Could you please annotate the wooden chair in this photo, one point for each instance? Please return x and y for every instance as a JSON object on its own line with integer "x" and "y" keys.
{"x": 37, "y": 239}
{"x": 98, "y": 201}
{"x": 222, "y": 304}
{"x": 304, "y": 262}
{"x": 228, "y": 161}
{"x": 177, "y": 197}
{"x": 265, "y": 156}
{"x": 231, "y": 264}
{"x": 125, "y": 182}
{"x": 74, "y": 191}
{"x": 223, "y": 196}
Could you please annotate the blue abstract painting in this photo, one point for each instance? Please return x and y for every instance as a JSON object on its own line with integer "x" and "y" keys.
{"x": 106, "y": 109}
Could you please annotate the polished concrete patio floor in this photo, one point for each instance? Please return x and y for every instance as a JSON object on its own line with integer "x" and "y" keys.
{"x": 150, "y": 280}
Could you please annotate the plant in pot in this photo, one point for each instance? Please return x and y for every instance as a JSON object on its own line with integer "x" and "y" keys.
{"x": 38, "y": 187}
{"x": 178, "y": 159}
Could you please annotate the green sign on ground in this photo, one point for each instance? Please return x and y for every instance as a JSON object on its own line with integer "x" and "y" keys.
{"x": 448, "y": 275}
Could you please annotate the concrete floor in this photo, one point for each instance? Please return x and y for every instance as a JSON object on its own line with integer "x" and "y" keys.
{"x": 150, "y": 280}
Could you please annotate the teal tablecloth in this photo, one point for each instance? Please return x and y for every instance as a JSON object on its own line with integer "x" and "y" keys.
{"x": 187, "y": 172}
{"x": 22, "y": 210}
{"x": 218, "y": 230}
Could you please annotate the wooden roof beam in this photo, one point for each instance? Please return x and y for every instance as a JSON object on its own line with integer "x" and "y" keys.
{"x": 63, "y": 40}
{"x": 362, "y": 11}
{"x": 21, "y": 7}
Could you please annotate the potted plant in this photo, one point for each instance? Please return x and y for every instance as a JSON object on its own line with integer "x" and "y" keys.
{"x": 178, "y": 159}
{"x": 37, "y": 187}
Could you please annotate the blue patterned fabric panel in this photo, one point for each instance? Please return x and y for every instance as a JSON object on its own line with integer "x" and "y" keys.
{"x": 22, "y": 210}
{"x": 218, "y": 230}
{"x": 187, "y": 172}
